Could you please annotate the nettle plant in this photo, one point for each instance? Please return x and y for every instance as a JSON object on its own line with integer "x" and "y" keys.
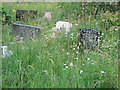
{"x": 7, "y": 16}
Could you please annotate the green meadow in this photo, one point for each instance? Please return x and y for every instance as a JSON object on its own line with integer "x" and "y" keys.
{"x": 48, "y": 62}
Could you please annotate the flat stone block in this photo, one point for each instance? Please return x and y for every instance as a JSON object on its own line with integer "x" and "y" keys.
{"x": 26, "y": 31}
{"x": 25, "y": 15}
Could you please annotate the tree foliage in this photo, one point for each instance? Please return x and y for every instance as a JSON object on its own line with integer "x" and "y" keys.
{"x": 105, "y": 12}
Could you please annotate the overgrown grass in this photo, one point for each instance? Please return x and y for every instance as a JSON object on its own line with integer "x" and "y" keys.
{"x": 55, "y": 62}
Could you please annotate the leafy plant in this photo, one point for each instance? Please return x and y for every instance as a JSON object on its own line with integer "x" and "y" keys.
{"x": 7, "y": 16}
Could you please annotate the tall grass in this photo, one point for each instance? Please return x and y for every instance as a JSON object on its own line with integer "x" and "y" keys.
{"x": 55, "y": 62}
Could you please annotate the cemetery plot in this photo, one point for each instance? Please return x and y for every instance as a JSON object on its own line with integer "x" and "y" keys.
{"x": 26, "y": 31}
{"x": 89, "y": 37}
{"x": 25, "y": 15}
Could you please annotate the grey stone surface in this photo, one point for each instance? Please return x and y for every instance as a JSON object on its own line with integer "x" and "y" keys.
{"x": 26, "y": 31}
{"x": 5, "y": 52}
{"x": 89, "y": 37}
{"x": 25, "y": 15}
{"x": 47, "y": 15}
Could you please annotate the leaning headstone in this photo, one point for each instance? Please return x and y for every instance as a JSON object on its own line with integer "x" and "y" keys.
{"x": 89, "y": 37}
{"x": 47, "y": 15}
{"x": 26, "y": 31}
{"x": 24, "y": 15}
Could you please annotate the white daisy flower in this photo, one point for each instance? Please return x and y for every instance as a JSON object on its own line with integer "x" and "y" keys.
{"x": 102, "y": 71}
{"x": 73, "y": 48}
{"x": 93, "y": 63}
{"x": 88, "y": 58}
{"x": 66, "y": 67}
{"x": 71, "y": 64}
{"x": 67, "y": 53}
{"x": 83, "y": 64}
{"x": 76, "y": 58}
{"x": 71, "y": 34}
{"x": 77, "y": 52}
{"x": 75, "y": 45}
{"x": 81, "y": 71}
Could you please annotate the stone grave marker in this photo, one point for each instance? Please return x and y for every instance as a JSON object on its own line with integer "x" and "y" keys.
{"x": 25, "y": 15}
{"x": 26, "y": 31}
{"x": 5, "y": 52}
{"x": 89, "y": 37}
{"x": 47, "y": 15}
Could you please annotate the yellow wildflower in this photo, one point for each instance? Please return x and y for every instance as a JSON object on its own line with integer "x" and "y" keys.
{"x": 13, "y": 10}
{"x": 78, "y": 47}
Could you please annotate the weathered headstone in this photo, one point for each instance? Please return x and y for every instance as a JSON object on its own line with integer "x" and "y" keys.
{"x": 89, "y": 37}
{"x": 47, "y": 15}
{"x": 26, "y": 31}
{"x": 64, "y": 25}
{"x": 5, "y": 52}
{"x": 24, "y": 15}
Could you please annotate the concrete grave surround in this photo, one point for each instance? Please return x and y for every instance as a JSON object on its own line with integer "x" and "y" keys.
{"x": 26, "y": 31}
{"x": 25, "y": 15}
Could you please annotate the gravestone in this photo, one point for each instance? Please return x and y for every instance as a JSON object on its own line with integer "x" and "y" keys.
{"x": 47, "y": 15}
{"x": 89, "y": 37}
{"x": 5, "y": 52}
{"x": 25, "y": 15}
{"x": 26, "y": 31}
